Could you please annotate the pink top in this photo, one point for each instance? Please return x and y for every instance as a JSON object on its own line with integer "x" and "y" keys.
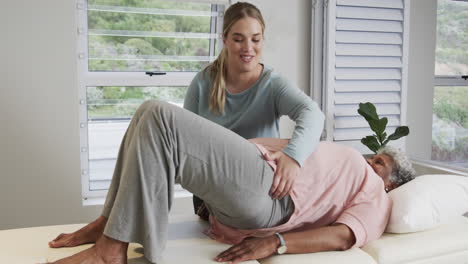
{"x": 336, "y": 185}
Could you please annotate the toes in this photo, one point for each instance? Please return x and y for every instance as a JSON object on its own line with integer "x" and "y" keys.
{"x": 60, "y": 241}
{"x": 59, "y": 237}
{"x": 54, "y": 244}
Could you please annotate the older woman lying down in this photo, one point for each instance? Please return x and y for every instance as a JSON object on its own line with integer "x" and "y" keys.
{"x": 338, "y": 201}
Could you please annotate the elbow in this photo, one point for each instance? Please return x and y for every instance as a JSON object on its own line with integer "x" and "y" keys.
{"x": 345, "y": 239}
{"x": 321, "y": 121}
{"x": 317, "y": 118}
{"x": 319, "y": 115}
{"x": 345, "y": 244}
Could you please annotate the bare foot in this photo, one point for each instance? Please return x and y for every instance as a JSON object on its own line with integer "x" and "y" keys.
{"x": 88, "y": 234}
{"x": 106, "y": 251}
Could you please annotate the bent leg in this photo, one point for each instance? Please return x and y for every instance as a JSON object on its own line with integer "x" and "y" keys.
{"x": 124, "y": 145}
{"x": 93, "y": 231}
{"x": 167, "y": 144}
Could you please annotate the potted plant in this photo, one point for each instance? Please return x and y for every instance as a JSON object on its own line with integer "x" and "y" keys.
{"x": 378, "y": 125}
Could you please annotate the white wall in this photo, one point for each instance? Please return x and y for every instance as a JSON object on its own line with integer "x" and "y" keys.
{"x": 40, "y": 173}
{"x": 420, "y": 77}
{"x": 287, "y": 44}
{"x": 39, "y": 140}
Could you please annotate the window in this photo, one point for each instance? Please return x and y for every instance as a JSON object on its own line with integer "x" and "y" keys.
{"x": 450, "y": 109}
{"x": 120, "y": 43}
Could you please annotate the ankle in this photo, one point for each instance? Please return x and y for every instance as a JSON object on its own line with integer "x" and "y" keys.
{"x": 101, "y": 221}
{"x": 111, "y": 247}
{"x": 97, "y": 225}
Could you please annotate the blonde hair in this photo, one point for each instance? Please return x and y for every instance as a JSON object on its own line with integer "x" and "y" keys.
{"x": 218, "y": 68}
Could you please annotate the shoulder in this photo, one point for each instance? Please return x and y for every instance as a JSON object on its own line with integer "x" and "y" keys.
{"x": 203, "y": 75}
{"x": 202, "y": 81}
{"x": 276, "y": 79}
{"x": 278, "y": 85}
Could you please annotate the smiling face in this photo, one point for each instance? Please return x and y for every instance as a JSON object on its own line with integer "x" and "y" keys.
{"x": 244, "y": 43}
{"x": 383, "y": 166}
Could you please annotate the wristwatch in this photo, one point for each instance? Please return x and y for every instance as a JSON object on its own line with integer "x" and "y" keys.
{"x": 282, "y": 248}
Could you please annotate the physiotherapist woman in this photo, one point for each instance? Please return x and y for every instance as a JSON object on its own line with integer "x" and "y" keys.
{"x": 240, "y": 93}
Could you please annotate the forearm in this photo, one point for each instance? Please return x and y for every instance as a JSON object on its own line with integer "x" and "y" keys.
{"x": 306, "y": 135}
{"x": 336, "y": 237}
{"x": 309, "y": 121}
{"x": 329, "y": 238}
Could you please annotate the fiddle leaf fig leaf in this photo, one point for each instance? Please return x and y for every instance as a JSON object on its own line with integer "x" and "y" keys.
{"x": 378, "y": 126}
{"x": 368, "y": 111}
{"x": 371, "y": 142}
{"x": 399, "y": 132}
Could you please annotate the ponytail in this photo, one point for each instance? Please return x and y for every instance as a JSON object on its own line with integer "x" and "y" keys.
{"x": 218, "y": 71}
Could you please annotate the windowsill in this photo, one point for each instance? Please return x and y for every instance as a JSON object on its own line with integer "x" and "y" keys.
{"x": 94, "y": 201}
{"x": 434, "y": 167}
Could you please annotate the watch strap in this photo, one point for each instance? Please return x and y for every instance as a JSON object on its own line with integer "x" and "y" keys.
{"x": 282, "y": 247}
{"x": 282, "y": 242}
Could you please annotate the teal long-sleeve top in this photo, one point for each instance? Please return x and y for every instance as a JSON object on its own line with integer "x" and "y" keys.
{"x": 255, "y": 112}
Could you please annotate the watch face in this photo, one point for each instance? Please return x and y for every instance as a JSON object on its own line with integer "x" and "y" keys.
{"x": 282, "y": 250}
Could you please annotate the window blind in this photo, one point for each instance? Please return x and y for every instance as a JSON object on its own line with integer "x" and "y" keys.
{"x": 365, "y": 61}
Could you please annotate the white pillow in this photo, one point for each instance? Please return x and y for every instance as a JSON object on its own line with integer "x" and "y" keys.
{"x": 427, "y": 201}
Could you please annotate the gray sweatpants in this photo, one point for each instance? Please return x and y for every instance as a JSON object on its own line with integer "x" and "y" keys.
{"x": 165, "y": 144}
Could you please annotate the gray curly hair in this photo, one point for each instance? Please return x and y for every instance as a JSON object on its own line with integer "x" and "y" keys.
{"x": 402, "y": 171}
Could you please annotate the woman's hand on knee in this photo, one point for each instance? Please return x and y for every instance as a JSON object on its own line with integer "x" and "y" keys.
{"x": 287, "y": 170}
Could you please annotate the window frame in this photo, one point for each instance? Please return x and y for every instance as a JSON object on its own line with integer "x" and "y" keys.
{"x": 317, "y": 33}
{"x": 447, "y": 81}
{"x": 86, "y": 78}
{"x": 450, "y": 80}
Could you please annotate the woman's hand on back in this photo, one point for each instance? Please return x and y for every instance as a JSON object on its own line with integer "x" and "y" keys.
{"x": 287, "y": 170}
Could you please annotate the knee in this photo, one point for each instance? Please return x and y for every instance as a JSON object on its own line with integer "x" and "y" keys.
{"x": 149, "y": 106}
{"x": 156, "y": 109}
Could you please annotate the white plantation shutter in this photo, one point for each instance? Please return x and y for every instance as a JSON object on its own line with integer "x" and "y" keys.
{"x": 365, "y": 61}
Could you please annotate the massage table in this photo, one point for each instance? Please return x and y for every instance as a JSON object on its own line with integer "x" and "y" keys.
{"x": 447, "y": 243}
